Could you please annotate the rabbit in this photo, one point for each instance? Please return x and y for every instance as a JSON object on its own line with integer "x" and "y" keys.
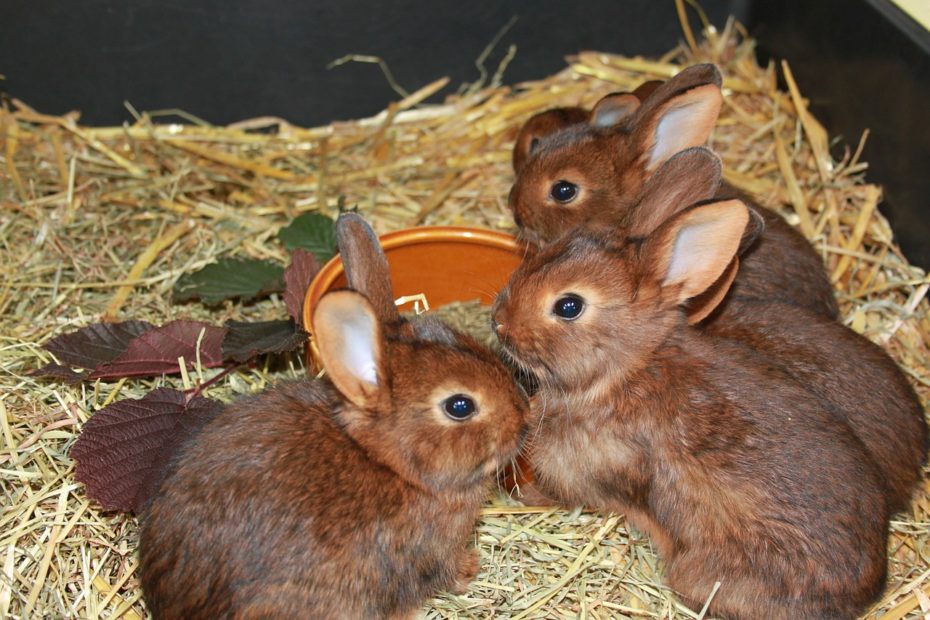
{"x": 595, "y": 170}
{"x": 860, "y": 382}
{"x": 736, "y": 472}
{"x": 348, "y": 497}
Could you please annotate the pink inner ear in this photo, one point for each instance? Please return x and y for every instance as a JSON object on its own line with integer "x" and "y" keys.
{"x": 612, "y": 109}
{"x": 693, "y": 249}
{"x": 704, "y": 244}
{"x": 358, "y": 340}
{"x": 348, "y": 336}
{"x": 687, "y": 122}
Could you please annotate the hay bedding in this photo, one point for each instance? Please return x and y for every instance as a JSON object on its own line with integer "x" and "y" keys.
{"x": 101, "y": 221}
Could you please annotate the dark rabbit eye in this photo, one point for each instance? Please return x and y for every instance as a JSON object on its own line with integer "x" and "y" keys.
{"x": 459, "y": 407}
{"x": 563, "y": 191}
{"x": 568, "y": 307}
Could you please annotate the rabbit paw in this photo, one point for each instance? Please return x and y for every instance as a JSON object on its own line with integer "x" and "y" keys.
{"x": 467, "y": 570}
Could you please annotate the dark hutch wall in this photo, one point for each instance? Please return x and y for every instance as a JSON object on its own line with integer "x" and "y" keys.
{"x": 225, "y": 60}
{"x": 865, "y": 66}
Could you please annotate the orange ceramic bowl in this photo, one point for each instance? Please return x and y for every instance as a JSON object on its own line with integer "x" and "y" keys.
{"x": 445, "y": 263}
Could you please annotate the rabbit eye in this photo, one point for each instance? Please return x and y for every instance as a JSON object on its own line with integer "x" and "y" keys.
{"x": 563, "y": 191}
{"x": 459, "y": 407}
{"x": 569, "y": 307}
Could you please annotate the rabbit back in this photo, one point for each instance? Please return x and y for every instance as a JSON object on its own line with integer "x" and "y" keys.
{"x": 783, "y": 266}
{"x": 851, "y": 375}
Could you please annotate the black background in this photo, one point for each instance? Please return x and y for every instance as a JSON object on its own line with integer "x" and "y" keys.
{"x": 862, "y": 63}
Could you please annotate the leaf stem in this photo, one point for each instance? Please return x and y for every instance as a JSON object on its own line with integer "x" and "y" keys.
{"x": 196, "y": 391}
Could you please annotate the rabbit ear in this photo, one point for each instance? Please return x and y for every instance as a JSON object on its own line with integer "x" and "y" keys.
{"x": 365, "y": 264}
{"x": 540, "y": 126}
{"x": 754, "y": 230}
{"x": 700, "y": 307}
{"x": 348, "y": 336}
{"x": 647, "y": 88}
{"x": 690, "y": 176}
{"x": 679, "y": 114}
{"x": 692, "y": 251}
{"x": 613, "y": 108}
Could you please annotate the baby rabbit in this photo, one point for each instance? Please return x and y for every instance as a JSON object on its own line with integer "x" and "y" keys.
{"x": 737, "y": 473}
{"x": 586, "y": 172}
{"x": 352, "y": 497}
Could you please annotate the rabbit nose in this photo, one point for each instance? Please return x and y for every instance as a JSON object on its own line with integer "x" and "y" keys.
{"x": 498, "y": 316}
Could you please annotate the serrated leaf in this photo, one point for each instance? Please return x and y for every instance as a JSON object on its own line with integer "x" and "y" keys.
{"x": 311, "y": 231}
{"x": 124, "y": 449}
{"x": 95, "y": 344}
{"x": 230, "y": 278}
{"x": 156, "y": 351}
{"x": 297, "y": 277}
{"x": 246, "y": 340}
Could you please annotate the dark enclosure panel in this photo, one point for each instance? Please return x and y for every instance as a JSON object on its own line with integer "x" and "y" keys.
{"x": 225, "y": 60}
{"x": 864, "y": 66}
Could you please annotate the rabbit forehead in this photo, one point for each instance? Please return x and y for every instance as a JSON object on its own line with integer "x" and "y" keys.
{"x": 420, "y": 367}
{"x": 578, "y": 260}
{"x": 574, "y": 146}
{"x": 545, "y": 125}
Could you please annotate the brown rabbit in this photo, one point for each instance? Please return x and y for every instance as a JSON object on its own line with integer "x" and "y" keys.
{"x": 595, "y": 171}
{"x": 736, "y": 471}
{"x": 350, "y": 499}
{"x": 854, "y": 376}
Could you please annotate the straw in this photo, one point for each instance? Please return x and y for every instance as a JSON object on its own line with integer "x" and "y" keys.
{"x": 103, "y": 220}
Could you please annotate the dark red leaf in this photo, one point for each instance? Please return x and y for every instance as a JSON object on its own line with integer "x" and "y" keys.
{"x": 95, "y": 344}
{"x": 156, "y": 351}
{"x": 124, "y": 448}
{"x": 247, "y": 340}
{"x": 297, "y": 277}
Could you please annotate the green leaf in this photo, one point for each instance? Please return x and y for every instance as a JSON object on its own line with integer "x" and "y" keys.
{"x": 230, "y": 278}
{"x": 311, "y": 231}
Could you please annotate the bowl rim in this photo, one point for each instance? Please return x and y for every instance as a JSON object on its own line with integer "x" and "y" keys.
{"x": 407, "y": 236}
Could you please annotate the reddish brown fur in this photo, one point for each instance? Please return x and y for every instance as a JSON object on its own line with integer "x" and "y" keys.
{"x": 546, "y": 123}
{"x": 540, "y": 126}
{"x": 859, "y": 381}
{"x": 611, "y": 167}
{"x": 737, "y": 473}
{"x": 298, "y": 503}
{"x": 833, "y": 362}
